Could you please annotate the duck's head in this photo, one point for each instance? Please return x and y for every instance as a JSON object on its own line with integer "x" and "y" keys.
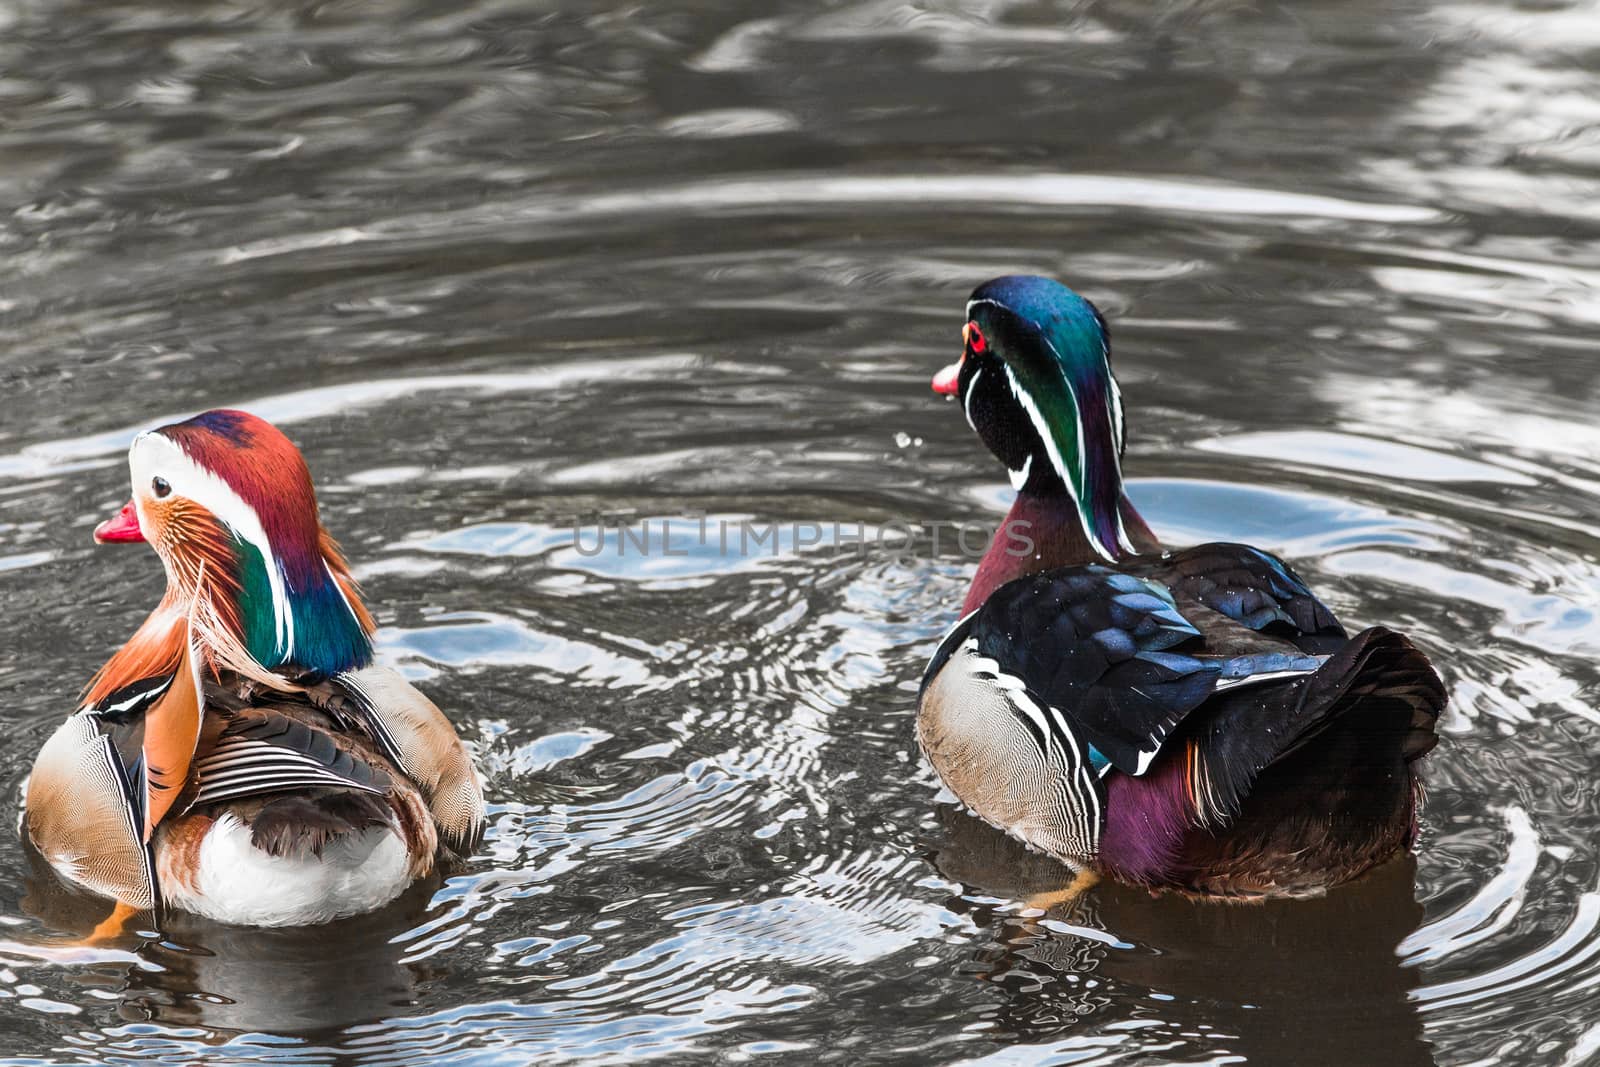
{"x": 226, "y": 501}
{"x": 1035, "y": 382}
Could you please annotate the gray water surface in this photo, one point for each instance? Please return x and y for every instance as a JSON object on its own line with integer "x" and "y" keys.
{"x": 505, "y": 270}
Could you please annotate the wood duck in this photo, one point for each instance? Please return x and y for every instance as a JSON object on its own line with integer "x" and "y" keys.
{"x": 1194, "y": 719}
{"x": 241, "y": 757}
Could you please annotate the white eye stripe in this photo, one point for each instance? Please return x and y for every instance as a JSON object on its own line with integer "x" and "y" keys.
{"x": 1114, "y": 401}
{"x": 1042, "y": 429}
{"x": 1119, "y": 433}
{"x": 1118, "y": 429}
{"x": 153, "y": 455}
{"x": 1052, "y": 450}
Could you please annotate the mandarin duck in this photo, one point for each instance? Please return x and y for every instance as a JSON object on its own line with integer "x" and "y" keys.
{"x": 1193, "y": 719}
{"x": 241, "y": 757}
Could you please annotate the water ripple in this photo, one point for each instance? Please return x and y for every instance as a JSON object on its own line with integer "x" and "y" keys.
{"x": 504, "y": 272}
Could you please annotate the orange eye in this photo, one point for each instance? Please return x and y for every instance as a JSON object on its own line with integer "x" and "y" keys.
{"x": 974, "y": 338}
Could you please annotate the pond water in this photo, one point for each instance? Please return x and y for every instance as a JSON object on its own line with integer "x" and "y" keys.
{"x": 513, "y": 273}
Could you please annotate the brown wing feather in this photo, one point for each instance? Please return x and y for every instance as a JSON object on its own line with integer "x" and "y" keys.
{"x": 81, "y": 819}
{"x": 422, "y": 742}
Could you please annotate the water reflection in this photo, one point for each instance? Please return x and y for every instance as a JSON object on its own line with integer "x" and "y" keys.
{"x": 277, "y": 981}
{"x": 193, "y": 972}
{"x": 1307, "y": 982}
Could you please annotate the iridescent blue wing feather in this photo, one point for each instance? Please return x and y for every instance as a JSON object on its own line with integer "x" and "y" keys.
{"x": 1253, "y": 588}
{"x": 1101, "y": 647}
{"x": 1115, "y": 654}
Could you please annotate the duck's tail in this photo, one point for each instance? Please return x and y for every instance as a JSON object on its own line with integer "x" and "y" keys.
{"x": 1311, "y": 782}
{"x": 1371, "y": 708}
{"x": 1379, "y": 673}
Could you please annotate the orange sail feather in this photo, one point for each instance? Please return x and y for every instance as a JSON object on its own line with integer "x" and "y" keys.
{"x": 171, "y": 731}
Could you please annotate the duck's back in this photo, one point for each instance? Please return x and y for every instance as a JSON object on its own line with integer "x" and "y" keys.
{"x": 301, "y": 805}
{"x": 289, "y": 819}
{"x": 1196, "y": 719}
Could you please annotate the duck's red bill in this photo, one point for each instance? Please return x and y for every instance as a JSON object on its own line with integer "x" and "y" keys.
{"x": 948, "y": 381}
{"x": 123, "y": 526}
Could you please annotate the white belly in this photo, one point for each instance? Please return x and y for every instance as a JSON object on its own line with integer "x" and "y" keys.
{"x": 238, "y": 883}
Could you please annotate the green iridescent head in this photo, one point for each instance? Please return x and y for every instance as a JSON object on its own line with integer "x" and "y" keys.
{"x": 1035, "y": 382}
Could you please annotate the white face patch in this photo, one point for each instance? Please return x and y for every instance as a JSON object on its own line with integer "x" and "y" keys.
{"x": 152, "y": 456}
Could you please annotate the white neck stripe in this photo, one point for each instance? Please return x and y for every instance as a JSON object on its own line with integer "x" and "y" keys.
{"x": 1115, "y": 401}
{"x": 1020, "y": 478}
{"x": 1042, "y": 429}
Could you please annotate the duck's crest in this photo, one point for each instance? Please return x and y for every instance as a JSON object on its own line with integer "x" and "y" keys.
{"x": 1069, "y": 392}
{"x": 297, "y": 600}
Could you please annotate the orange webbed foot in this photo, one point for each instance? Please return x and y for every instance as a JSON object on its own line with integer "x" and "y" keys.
{"x": 1045, "y": 901}
{"x": 113, "y": 926}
